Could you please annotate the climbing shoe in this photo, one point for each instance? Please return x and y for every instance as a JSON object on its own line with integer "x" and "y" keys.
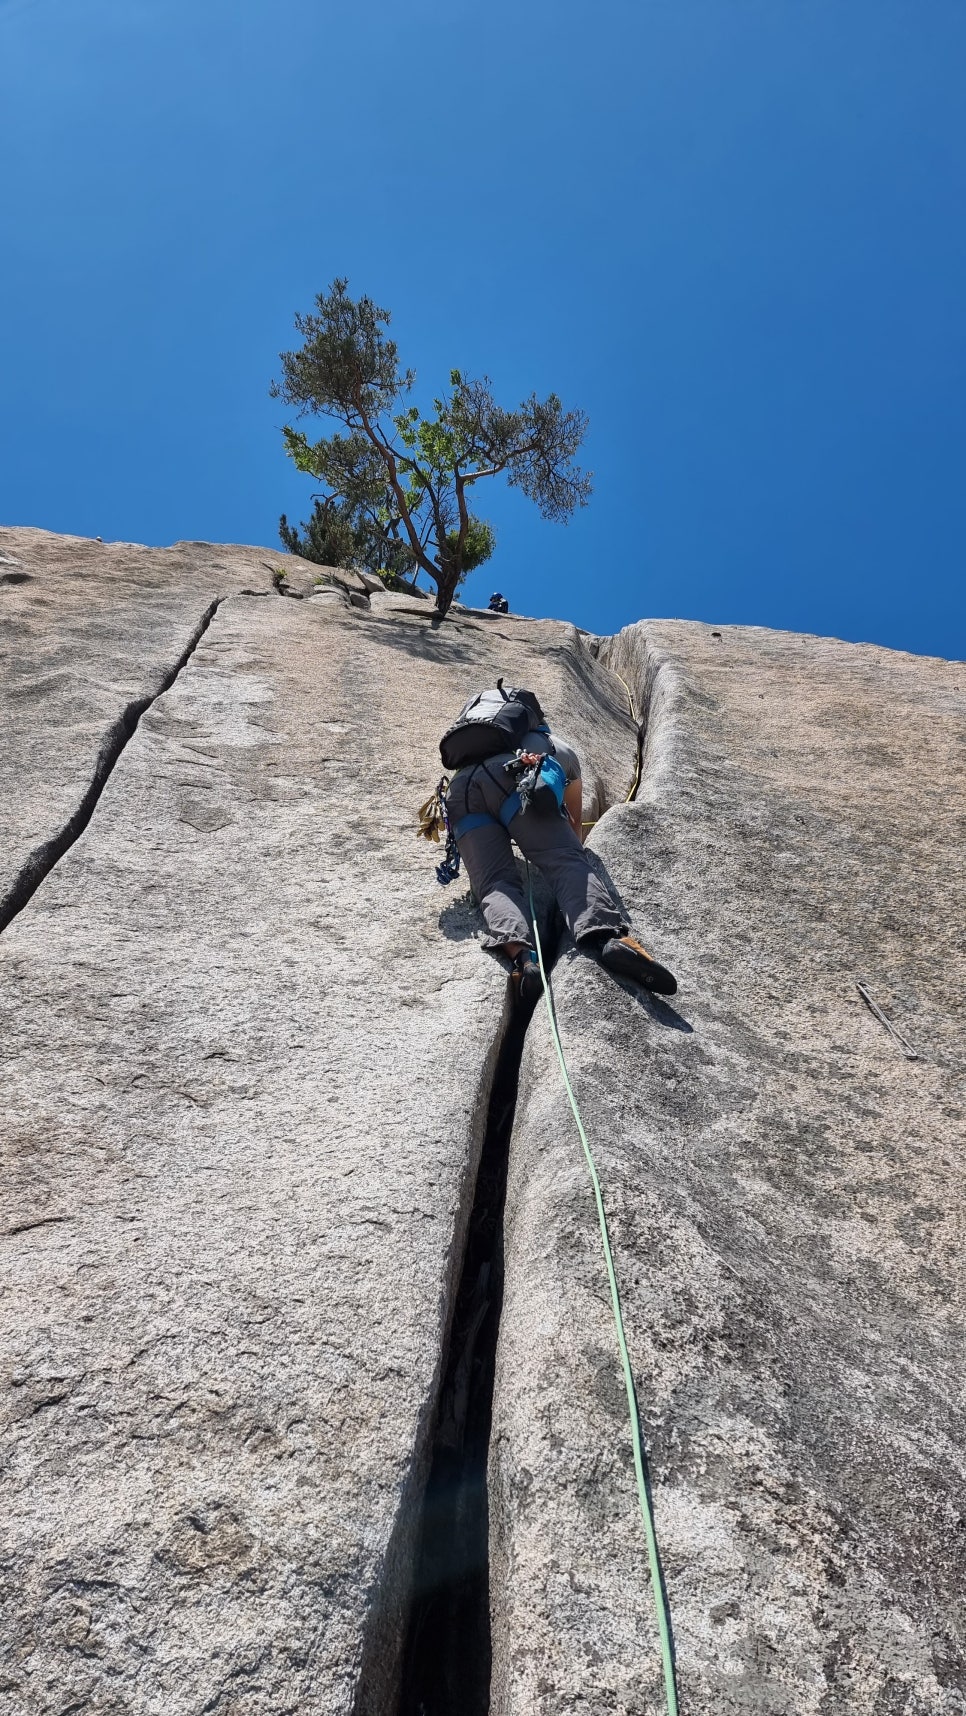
{"x": 526, "y": 979}
{"x": 625, "y": 957}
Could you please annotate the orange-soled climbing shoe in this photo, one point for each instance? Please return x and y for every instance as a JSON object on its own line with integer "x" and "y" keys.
{"x": 625, "y": 957}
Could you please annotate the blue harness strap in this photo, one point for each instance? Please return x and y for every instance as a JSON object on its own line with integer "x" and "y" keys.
{"x": 467, "y": 824}
{"x": 509, "y": 809}
{"x": 479, "y": 818}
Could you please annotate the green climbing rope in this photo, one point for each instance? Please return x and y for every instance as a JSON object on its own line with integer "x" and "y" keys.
{"x": 660, "y": 1605}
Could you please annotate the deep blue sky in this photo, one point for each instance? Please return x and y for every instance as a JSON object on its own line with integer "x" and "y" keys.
{"x": 732, "y": 230}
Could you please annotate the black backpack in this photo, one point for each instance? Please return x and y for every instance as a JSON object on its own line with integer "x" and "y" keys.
{"x": 493, "y": 721}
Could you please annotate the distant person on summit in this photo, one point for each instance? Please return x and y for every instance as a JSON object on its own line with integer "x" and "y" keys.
{"x": 498, "y": 604}
{"x": 515, "y": 780}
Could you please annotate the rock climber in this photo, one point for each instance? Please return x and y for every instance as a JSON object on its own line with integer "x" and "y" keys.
{"x": 515, "y": 780}
{"x": 498, "y": 604}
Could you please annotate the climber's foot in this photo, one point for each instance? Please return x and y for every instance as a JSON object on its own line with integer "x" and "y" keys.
{"x": 625, "y": 957}
{"x": 526, "y": 979}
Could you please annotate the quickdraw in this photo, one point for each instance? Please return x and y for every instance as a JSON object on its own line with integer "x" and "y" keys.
{"x": 434, "y": 822}
{"x": 532, "y": 772}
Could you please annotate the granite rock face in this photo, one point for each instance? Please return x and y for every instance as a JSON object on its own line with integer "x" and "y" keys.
{"x": 248, "y": 1048}
{"x": 247, "y": 1045}
{"x": 785, "y": 1193}
{"x": 89, "y": 633}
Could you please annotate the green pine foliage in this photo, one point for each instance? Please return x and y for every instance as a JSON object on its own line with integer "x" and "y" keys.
{"x": 394, "y": 485}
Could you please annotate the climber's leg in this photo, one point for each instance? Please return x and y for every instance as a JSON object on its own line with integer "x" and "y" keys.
{"x": 589, "y": 908}
{"x": 593, "y": 916}
{"x": 495, "y": 880}
{"x": 488, "y": 855}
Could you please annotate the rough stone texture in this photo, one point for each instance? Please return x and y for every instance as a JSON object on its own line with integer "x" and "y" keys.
{"x": 88, "y": 631}
{"x": 786, "y": 1197}
{"x": 246, "y": 1045}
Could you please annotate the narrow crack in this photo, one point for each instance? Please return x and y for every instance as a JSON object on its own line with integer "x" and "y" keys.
{"x": 447, "y": 1659}
{"x": 638, "y": 763}
{"x": 44, "y": 857}
{"x": 446, "y": 1667}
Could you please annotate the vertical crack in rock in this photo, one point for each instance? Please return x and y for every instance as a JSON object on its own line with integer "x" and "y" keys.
{"x": 44, "y": 857}
{"x": 638, "y": 763}
{"x": 645, "y": 672}
{"x": 446, "y": 1667}
{"x": 447, "y": 1661}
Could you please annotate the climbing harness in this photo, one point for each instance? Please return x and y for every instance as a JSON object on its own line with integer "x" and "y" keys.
{"x": 540, "y": 784}
{"x": 653, "y": 1556}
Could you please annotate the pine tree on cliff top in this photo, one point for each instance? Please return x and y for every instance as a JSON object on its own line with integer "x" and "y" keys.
{"x": 395, "y": 485}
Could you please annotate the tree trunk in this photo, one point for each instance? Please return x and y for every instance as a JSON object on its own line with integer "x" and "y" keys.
{"x": 447, "y": 580}
{"x": 445, "y": 592}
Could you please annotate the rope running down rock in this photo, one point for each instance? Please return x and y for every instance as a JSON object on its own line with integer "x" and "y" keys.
{"x": 654, "y": 1561}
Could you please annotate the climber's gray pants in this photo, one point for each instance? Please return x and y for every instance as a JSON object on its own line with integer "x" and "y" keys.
{"x": 588, "y": 906}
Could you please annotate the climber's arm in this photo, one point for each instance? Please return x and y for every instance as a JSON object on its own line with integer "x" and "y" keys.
{"x": 574, "y": 806}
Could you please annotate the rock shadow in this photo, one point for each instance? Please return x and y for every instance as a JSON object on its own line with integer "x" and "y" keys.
{"x": 661, "y": 1011}
{"x": 461, "y": 919}
{"x": 421, "y": 644}
{"x": 656, "y": 1006}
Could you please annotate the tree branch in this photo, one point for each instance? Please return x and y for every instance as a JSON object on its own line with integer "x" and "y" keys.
{"x": 388, "y": 455}
{"x": 494, "y": 471}
{"x": 464, "y": 515}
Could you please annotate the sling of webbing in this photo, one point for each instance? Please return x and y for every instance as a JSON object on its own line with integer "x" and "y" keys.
{"x": 654, "y": 1561}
